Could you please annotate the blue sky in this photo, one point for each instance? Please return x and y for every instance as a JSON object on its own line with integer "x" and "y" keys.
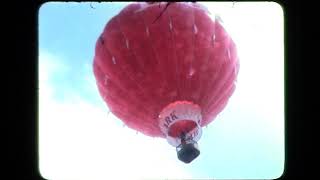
{"x": 78, "y": 138}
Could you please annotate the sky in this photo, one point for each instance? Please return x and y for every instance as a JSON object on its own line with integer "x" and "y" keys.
{"x": 80, "y": 139}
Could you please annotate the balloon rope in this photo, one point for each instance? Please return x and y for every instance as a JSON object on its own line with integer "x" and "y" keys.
{"x": 167, "y": 5}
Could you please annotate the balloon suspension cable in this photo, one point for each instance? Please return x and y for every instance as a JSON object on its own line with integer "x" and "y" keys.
{"x": 183, "y": 138}
{"x": 167, "y": 5}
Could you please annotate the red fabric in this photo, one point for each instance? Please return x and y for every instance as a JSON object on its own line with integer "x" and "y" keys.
{"x": 141, "y": 67}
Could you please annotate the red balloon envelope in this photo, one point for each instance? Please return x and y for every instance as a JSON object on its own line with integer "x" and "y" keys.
{"x": 166, "y": 78}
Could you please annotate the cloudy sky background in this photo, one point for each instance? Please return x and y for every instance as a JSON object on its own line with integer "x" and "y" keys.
{"x": 79, "y": 139}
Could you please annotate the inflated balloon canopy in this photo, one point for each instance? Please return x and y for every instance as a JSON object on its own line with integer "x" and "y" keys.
{"x": 166, "y": 78}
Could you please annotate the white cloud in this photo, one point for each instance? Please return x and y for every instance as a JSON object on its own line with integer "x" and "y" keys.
{"x": 78, "y": 140}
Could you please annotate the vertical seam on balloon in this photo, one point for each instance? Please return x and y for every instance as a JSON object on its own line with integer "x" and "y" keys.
{"x": 103, "y": 88}
{"x": 199, "y": 73}
{"x": 132, "y": 51}
{"x": 220, "y": 64}
{"x": 149, "y": 37}
{"x": 214, "y": 80}
{"x": 175, "y": 56}
{"x": 126, "y": 39}
{"x": 206, "y": 63}
{"x": 214, "y": 39}
{"x": 230, "y": 74}
{"x": 218, "y": 100}
{"x": 193, "y": 44}
{"x": 107, "y": 52}
{"x": 153, "y": 50}
{"x": 122, "y": 33}
{"x": 218, "y": 90}
{"x": 99, "y": 69}
{"x": 150, "y": 42}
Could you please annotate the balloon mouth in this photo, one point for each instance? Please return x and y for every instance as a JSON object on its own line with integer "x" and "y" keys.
{"x": 181, "y": 127}
{"x": 179, "y": 133}
{"x": 180, "y": 118}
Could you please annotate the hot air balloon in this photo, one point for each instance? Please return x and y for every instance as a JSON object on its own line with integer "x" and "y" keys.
{"x": 166, "y": 78}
